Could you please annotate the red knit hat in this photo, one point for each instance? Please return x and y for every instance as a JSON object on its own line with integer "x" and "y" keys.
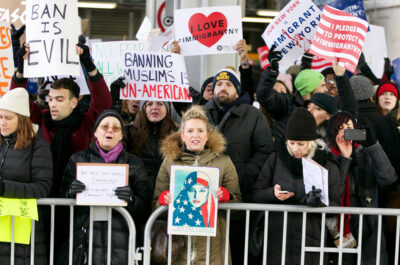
{"x": 387, "y": 87}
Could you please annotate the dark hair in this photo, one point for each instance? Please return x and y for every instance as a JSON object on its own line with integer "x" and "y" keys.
{"x": 25, "y": 133}
{"x": 286, "y": 88}
{"x": 140, "y": 130}
{"x": 327, "y": 71}
{"x": 67, "y": 83}
{"x": 333, "y": 126}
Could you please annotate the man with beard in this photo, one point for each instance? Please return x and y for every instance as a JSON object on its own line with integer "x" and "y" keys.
{"x": 249, "y": 142}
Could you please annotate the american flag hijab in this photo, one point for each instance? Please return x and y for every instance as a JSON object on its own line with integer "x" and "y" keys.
{"x": 200, "y": 214}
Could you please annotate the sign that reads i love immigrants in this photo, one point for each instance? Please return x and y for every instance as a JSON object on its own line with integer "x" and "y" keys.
{"x": 208, "y": 30}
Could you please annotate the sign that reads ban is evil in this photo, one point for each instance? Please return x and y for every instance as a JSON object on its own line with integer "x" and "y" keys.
{"x": 340, "y": 35}
{"x": 292, "y": 30}
{"x": 208, "y": 30}
{"x": 52, "y": 30}
{"x": 6, "y": 58}
{"x": 155, "y": 76}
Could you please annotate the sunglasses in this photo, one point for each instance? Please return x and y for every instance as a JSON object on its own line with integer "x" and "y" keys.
{"x": 107, "y": 127}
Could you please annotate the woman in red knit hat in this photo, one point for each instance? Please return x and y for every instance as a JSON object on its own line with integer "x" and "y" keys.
{"x": 387, "y": 99}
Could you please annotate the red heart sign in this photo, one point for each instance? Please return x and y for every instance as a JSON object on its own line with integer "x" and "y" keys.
{"x": 208, "y": 30}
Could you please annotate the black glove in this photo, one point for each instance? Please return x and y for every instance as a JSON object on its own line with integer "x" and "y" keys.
{"x": 125, "y": 193}
{"x": 313, "y": 198}
{"x": 370, "y": 138}
{"x": 42, "y": 93}
{"x": 15, "y": 35}
{"x": 76, "y": 187}
{"x": 274, "y": 57}
{"x": 81, "y": 39}
{"x": 86, "y": 59}
{"x": 388, "y": 68}
{"x": 1, "y": 188}
{"x": 361, "y": 61}
{"x": 20, "y": 58}
{"x": 115, "y": 87}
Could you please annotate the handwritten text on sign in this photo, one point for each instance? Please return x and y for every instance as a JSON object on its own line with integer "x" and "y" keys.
{"x": 292, "y": 30}
{"x": 155, "y": 76}
{"x": 208, "y": 30}
{"x": 109, "y": 57}
{"x": 52, "y": 30}
{"x": 6, "y": 58}
{"x": 340, "y": 35}
{"x": 101, "y": 180}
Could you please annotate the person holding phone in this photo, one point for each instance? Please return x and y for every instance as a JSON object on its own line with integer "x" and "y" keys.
{"x": 365, "y": 169}
{"x": 281, "y": 182}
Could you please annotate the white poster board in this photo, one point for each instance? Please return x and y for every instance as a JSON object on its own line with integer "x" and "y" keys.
{"x": 293, "y": 30}
{"x": 80, "y": 80}
{"x": 101, "y": 180}
{"x": 208, "y": 30}
{"x": 6, "y": 58}
{"x": 52, "y": 30}
{"x": 194, "y": 206}
{"x": 375, "y": 49}
{"x": 109, "y": 57}
{"x": 317, "y": 176}
{"x": 144, "y": 29}
{"x": 155, "y": 76}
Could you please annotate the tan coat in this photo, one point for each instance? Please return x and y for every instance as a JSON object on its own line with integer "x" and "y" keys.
{"x": 212, "y": 156}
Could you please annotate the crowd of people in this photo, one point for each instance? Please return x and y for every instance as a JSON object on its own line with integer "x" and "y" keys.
{"x": 255, "y": 127}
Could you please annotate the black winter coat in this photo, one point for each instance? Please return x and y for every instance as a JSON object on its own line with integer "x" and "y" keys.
{"x": 138, "y": 182}
{"x": 369, "y": 171}
{"x": 26, "y": 173}
{"x": 249, "y": 141}
{"x": 286, "y": 171}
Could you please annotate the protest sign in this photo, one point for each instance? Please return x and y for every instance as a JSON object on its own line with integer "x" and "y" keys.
{"x": 101, "y": 180}
{"x": 193, "y": 209}
{"x": 292, "y": 30}
{"x": 208, "y": 30}
{"x": 262, "y": 55}
{"x": 144, "y": 29}
{"x": 6, "y": 58}
{"x": 396, "y": 68}
{"x": 80, "y": 80}
{"x": 352, "y": 7}
{"x": 375, "y": 50}
{"x": 315, "y": 175}
{"x": 52, "y": 30}
{"x": 319, "y": 64}
{"x": 13, "y": 12}
{"x": 23, "y": 210}
{"x": 109, "y": 57}
{"x": 155, "y": 76}
{"x": 339, "y": 35}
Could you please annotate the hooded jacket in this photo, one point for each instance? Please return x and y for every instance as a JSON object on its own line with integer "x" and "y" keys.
{"x": 211, "y": 156}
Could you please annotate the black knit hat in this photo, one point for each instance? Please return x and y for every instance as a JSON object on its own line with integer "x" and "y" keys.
{"x": 324, "y": 101}
{"x": 301, "y": 126}
{"x": 205, "y": 83}
{"x": 107, "y": 113}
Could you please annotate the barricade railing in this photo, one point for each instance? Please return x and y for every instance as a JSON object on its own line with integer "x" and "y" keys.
{"x": 96, "y": 213}
{"x": 285, "y": 209}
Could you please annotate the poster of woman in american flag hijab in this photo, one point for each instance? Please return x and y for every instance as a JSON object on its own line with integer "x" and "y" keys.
{"x": 194, "y": 206}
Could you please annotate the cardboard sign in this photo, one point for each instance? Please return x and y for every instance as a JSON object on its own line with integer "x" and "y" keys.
{"x": 155, "y": 76}
{"x": 6, "y": 58}
{"x": 194, "y": 206}
{"x": 262, "y": 55}
{"x": 375, "y": 50}
{"x": 52, "y": 30}
{"x": 80, "y": 80}
{"x": 340, "y": 35}
{"x": 352, "y": 7}
{"x": 23, "y": 210}
{"x": 109, "y": 57}
{"x": 292, "y": 30}
{"x": 208, "y": 30}
{"x": 13, "y": 12}
{"x": 101, "y": 180}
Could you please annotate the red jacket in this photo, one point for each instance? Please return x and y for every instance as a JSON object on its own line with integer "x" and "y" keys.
{"x": 82, "y": 136}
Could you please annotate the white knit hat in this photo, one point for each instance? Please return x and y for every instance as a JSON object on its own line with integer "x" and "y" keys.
{"x": 17, "y": 101}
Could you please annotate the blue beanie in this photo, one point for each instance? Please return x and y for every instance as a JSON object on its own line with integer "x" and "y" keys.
{"x": 227, "y": 74}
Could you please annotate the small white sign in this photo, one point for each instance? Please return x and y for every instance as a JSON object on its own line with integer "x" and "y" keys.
{"x": 101, "y": 180}
{"x": 144, "y": 29}
{"x": 316, "y": 175}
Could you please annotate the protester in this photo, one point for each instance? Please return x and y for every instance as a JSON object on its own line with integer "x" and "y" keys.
{"x": 198, "y": 143}
{"x": 63, "y": 125}
{"x": 329, "y": 75}
{"x": 283, "y": 171}
{"x": 108, "y": 148}
{"x": 25, "y": 169}
{"x": 366, "y": 169}
{"x": 387, "y": 99}
{"x": 126, "y": 108}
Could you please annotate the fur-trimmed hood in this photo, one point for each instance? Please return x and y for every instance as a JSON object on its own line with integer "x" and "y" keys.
{"x": 172, "y": 146}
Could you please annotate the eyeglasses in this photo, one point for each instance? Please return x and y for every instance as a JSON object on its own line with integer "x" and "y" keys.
{"x": 114, "y": 129}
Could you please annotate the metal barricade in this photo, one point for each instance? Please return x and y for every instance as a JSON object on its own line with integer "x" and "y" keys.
{"x": 285, "y": 209}
{"x": 97, "y": 213}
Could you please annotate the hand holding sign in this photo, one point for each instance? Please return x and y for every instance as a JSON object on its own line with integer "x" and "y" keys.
{"x": 274, "y": 57}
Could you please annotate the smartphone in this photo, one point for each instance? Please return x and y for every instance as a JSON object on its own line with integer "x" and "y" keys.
{"x": 283, "y": 192}
{"x": 355, "y": 134}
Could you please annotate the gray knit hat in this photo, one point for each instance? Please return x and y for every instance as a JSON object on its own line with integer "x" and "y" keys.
{"x": 362, "y": 87}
